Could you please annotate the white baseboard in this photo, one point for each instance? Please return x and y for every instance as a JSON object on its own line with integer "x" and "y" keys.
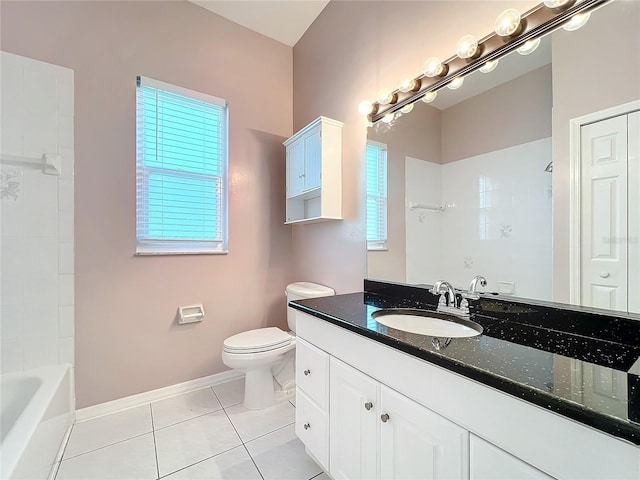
{"x": 154, "y": 395}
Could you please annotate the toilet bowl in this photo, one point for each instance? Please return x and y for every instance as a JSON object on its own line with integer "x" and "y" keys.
{"x": 267, "y": 355}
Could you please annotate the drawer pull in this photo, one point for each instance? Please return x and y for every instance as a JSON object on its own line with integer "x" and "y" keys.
{"x": 307, "y": 426}
{"x": 384, "y": 417}
{"x": 368, "y": 405}
{"x": 307, "y": 372}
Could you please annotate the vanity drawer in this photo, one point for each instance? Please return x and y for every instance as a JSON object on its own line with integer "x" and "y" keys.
{"x": 312, "y": 373}
{"x": 312, "y": 427}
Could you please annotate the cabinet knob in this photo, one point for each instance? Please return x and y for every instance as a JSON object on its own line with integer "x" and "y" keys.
{"x": 604, "y": 274}
{"x": 307, "y": 426}
{"x": 368, "y": 405}
{"x": 307, "y": 373}
{"x": 384, "y": 417}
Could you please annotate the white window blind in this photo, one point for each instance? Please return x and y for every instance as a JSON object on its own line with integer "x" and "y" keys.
{"x": 181, "y": 170}
{"x": 376, "y": 196}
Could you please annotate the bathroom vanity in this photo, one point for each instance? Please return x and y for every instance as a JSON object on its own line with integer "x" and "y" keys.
{"x": 521, "y": 400}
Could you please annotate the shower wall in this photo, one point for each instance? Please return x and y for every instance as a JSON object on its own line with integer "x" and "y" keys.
{"x": 496, "y": 220}
{"x": 36, "y": 214}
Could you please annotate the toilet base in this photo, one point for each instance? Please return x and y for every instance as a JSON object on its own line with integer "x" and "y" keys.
{"x": 258, "y": 389}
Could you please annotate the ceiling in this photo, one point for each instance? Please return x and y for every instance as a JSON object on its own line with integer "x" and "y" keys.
{"x": 282, "y": 20}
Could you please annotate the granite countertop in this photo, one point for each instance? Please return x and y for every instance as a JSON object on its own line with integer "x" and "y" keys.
{"x": 584, "y": 376}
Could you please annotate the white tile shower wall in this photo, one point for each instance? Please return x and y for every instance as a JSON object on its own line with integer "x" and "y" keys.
{"x": 423, "y": 185}
{"x": 497, "y": 220}
{"x": 36, "y": 215}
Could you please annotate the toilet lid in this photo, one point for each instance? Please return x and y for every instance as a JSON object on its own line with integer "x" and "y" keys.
{"x": 259, "y": 340}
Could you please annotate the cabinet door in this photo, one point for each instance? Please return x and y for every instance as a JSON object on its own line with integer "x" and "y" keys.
{"x": 313, "y": 159}
{"x": 416, "y": 443}
{"x": 488, "y": 462}
{"x": 312, "y": 372}
{"x": 295, "y": 168}
{"x": 311, "y": 428}
{"x": 353, "y": 423}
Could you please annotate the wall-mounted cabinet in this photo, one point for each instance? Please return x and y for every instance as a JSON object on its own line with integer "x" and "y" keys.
{"x": 314, "y": 173}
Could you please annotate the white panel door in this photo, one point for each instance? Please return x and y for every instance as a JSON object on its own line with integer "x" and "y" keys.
{"x": 604, "y": 387}
{"x": 634, "y": 211}
{"x": 313, "y": 159}
{"x": 604, "y": 214}
{"x": 416, "y": 443}
{"x": 488, "y": 462}
{"x": 295, "y": 168}
{"x": 353, "y": 423}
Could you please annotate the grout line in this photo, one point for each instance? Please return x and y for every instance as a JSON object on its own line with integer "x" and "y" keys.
{"x": 187, "y": 419}
{"x": 203, "y": 460}
{"x": 254, "y": 462}
{"x": 272, "y": 431}
{"x": 66, "y": 444}
{"x": 105, "y": 446}
{"x": 155, "y": 446}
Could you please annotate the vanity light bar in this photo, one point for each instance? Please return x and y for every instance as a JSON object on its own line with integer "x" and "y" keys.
{"x": 535, "y": 23}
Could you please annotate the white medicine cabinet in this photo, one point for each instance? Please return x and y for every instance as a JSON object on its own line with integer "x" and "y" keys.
{"x": 314, "y": 173}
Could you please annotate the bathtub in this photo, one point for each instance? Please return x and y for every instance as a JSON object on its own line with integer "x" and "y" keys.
{"x": 36, "y": 416}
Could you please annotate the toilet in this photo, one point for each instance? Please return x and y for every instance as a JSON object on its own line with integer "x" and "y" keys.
{"x": 267, "y": 355}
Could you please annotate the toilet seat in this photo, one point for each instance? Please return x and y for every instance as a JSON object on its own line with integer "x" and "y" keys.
{"x": 258, "y": 340}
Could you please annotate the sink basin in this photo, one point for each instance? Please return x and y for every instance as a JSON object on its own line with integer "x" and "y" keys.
{"x": 424, "y": 322}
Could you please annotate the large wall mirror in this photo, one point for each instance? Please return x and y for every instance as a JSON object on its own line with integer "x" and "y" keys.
{"x": 528, "y": 175}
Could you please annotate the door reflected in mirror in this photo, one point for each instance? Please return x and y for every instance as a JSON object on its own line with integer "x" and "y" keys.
{"x": 513, "y": 177}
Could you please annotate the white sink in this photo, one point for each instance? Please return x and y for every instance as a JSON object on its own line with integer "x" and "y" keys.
{"x": 424, "y": 322}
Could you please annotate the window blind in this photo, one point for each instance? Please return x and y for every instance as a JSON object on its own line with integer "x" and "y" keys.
{"x": 181, "y": 170}
{"x": 376, "y": 196}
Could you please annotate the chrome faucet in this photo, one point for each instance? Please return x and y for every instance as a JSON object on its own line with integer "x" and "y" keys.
{"x": 441, "y": 285}
{"x": 472, "y": 293}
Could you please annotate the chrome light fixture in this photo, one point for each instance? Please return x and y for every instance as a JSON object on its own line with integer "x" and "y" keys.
{"x": 512, "y": 31}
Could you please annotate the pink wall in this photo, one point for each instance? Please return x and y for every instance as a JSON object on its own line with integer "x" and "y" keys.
{"x": 487, "y": 120}
{"x": 352, "y": 50}
{"x": 127, "y": 340}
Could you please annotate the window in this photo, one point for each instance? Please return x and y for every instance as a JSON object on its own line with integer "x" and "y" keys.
{"x": 376, "y": 196}
{"x": 181, "y": 170}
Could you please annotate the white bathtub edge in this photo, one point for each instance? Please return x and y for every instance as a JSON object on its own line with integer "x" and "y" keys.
{"x": 138, "y": 399}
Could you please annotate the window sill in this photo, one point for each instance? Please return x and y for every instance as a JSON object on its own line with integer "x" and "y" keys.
{"x": 155, "y": 254}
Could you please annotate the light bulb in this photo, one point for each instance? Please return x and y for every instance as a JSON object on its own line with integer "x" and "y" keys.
{"x": 490, "y": 66}
{"x": 409, "y": 85}
{"x": 385, "y": 96}
{"x": 508, "y": 22}
{"x": 456, "y": 83}
{"x": 407, "y": 108}
{"x": 529, "y": 47}
{"x": 433, "y": 67}
{"x": 388, "y": 118}
{"x": 557, "y": 3}
{"x": 467, "y": 46}
{"x": 365, "y": 107}
{"x": 429, "y": 97}
{"x": 577, "y": 21}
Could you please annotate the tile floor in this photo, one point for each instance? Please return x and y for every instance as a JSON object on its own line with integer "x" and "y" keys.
{"x": 206, "y": 434}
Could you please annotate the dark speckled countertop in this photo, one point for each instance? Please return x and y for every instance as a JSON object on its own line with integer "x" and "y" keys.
{"x": 581, "y": 372}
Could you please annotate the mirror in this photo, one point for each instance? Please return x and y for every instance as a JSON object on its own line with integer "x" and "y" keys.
{"x": 479, "y": 182}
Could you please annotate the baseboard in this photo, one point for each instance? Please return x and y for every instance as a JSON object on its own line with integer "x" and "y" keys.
{"x": 154, "y": 395}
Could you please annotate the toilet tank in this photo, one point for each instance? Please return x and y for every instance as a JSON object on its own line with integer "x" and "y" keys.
{"x": 300, "y": 290}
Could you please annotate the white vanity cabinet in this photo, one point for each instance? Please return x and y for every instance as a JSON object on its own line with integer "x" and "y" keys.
{"x": 314, "y": 172}
{"x": 368, "y": 421}
{"x": 488, "y": 462}
{"x": 440, "y": 424}
{"x": 312, "y": 400}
